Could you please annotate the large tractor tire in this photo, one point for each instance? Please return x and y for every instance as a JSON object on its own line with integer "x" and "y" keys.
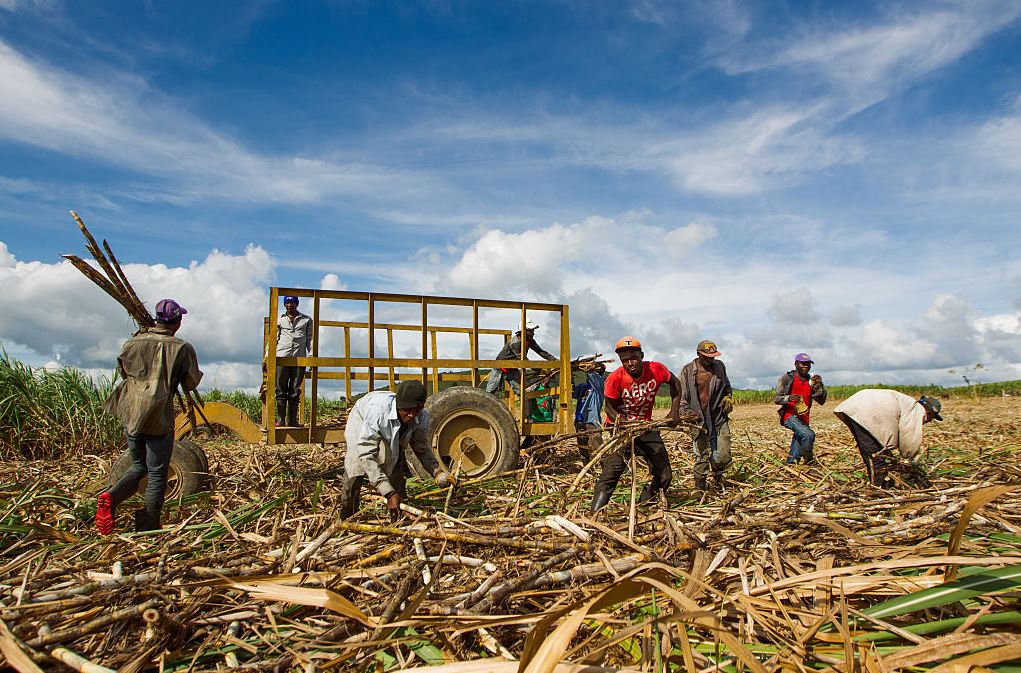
{"x": 188, "y": 470}
{"x": 470, "y": 430}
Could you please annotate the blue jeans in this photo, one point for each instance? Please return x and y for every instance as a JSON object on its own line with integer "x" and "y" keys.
{"x": 803, "y": 441}
{"x": 150, "y": 456}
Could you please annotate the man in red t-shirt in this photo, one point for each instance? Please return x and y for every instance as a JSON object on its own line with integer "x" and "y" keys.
{"x": 795, "y": 392}
{"x": 630, "y": 396}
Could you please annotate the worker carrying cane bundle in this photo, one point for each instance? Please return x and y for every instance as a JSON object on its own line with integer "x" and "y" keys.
{"x": 153, "y": 363}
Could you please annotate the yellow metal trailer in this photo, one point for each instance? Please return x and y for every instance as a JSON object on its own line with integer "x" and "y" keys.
{"x": 471, "y": 430}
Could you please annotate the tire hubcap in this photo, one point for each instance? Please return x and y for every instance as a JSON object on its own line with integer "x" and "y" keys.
{"x": 466, "y": 441}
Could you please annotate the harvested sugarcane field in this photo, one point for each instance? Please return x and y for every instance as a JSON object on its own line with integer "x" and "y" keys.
{"x": 786, "y": 568}
{"x": 640, "y": 336}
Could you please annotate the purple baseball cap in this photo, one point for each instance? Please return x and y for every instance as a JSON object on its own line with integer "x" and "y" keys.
{"x": 168, "y": 310}
{"x": 803, "y": 357}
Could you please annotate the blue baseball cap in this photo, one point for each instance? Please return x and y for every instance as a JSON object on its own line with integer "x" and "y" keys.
{"x": 933, "y": 405}
{"x": 294, "y": 299}
{"x": 168, "y": 310}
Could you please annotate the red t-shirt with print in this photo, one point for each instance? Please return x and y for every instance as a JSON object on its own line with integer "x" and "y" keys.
{"x": 637, "y": 396}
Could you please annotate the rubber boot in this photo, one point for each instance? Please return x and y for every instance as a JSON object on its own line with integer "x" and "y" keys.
{"x": 648, "y": 493}
{"x": 281, "y": 413}
{"x": 600, "y": 499}
{"x": 718, "y": 483}
{"x": 105, "y": 515}
{"x": 809, "y": 457}
{"x": 700, "y": 483}
{"x": 292, "y": 414}
{"x": 144, "y": 520}
{"x": 350, "y": 495}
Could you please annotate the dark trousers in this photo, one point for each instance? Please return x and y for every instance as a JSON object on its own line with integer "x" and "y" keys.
{"x": 150, "y": 457}
{"x": 651, "y": 449}
{"x": 350, "y": 495}
{"x": 289, "y": 383}
{"x": 875, "y": 456}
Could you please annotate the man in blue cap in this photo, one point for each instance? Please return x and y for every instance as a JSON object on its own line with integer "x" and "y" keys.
{"x": 885, "y": 421}
{"x": 795, "y": 392}
{"x": 152, "y": 364}
{"x": 294, "y": 340}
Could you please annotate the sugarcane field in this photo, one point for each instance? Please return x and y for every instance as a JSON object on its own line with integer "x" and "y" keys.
{"x": 545, "y": 336}
{"x": 497, "y": 534}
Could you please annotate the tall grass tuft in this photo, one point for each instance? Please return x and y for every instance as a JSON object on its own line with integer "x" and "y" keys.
{"x": 53, "y": 414}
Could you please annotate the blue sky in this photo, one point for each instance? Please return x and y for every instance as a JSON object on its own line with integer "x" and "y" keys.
{"x": 831, "y": 177}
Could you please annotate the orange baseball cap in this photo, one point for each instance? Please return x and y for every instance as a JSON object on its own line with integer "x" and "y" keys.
{"x": 627, "y": 342}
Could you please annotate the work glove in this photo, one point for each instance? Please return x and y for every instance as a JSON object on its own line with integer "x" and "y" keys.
{"x": 393, "y": 503}
{"x": 794, "y": 399}
{"x": 728, "y": 405}
{"x": 444, "y": 478}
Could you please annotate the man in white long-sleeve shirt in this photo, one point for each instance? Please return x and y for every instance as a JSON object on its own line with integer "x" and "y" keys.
{"x": 380, "y": 428}
{"x": 883, "y": 421}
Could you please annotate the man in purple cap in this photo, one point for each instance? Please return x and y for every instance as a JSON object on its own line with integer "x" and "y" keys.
{"x": 795, "y": 392}
{"x": 152, "y": 364}
{"x": 294, "y": 340}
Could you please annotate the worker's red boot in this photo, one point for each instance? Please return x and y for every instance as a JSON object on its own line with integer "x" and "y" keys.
{"x": 104, "y": 514}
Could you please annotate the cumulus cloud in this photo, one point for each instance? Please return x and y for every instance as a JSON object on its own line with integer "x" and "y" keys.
{"x": 53, "y": 310}
{"x": 331, "y": 281}
{"x": 537, "y": 261}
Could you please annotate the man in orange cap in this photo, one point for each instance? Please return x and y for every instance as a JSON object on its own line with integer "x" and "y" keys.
{"x": 706, "y": 393}
{"x": 630, "y": 393}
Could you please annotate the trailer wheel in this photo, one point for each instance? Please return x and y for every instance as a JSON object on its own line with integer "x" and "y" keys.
{"x": 470, "y": 430}
{"x": 188, "y": 468}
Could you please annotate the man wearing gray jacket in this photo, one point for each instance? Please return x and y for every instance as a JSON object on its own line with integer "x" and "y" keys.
{"x": 707, "y": 397}
{"x": 380, "y": 428}
{"x": 883, "y": 421}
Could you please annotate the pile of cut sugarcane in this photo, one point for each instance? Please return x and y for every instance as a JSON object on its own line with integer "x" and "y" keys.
{"x": 788, "y": 569}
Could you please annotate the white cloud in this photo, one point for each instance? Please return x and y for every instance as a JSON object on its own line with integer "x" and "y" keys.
{"x": 331, "y": 281}
{"x": 55, "y": 311}
{"x": 846, "y": 316}
{"x": 769, "y": 148}
{"x": 797, "y": 306}
{"x": 538, "y": 261}
{"x": 866, "y": 62}
{"x": 118, "y": 118}
{"x": 7, "y": 260}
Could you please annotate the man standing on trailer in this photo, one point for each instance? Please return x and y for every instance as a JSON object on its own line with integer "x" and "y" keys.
{"x": 152, "y": 364}
{"x": 512, "y": 351}
{"x": 795, "y": 392}
{"x": 381, "y": 426}
{"x": 706, "y": 391}
{"x": 884, "y": 421}
{"x": 294, "y": 340}
{"x": 630, "y": 392}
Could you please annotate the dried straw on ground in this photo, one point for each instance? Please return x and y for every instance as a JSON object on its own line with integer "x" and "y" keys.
{"x": 789, "y": 569}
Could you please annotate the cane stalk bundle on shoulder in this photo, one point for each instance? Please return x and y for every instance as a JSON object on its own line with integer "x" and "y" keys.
{"x": 115, "y": 283}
